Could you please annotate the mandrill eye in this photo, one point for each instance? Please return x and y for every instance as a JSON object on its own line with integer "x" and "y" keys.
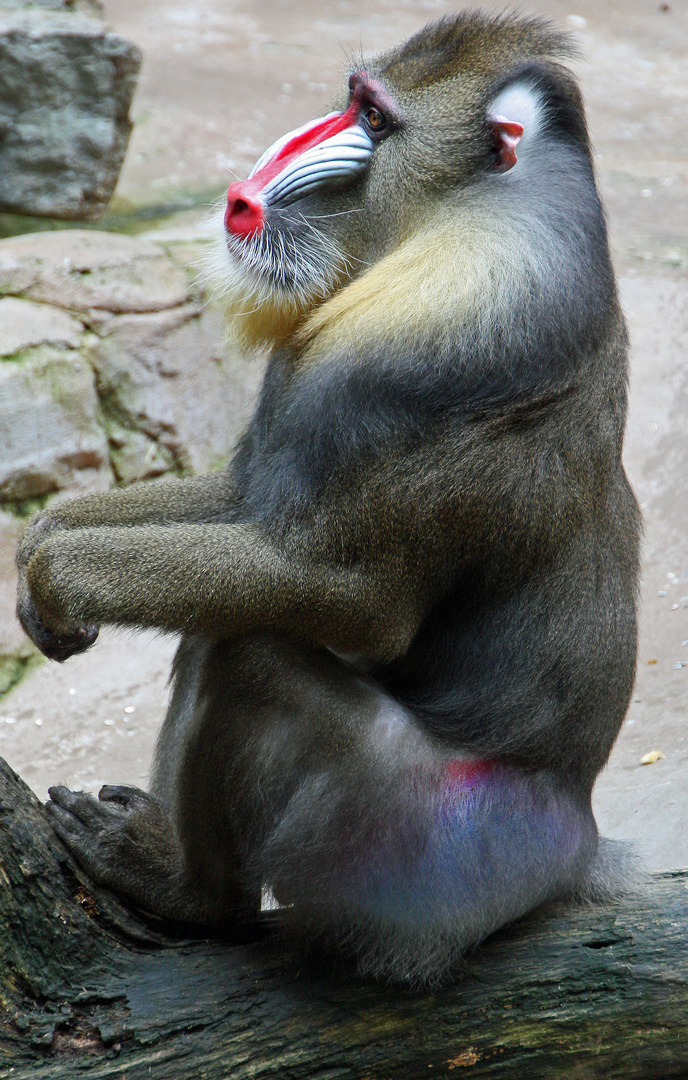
{"x": 375, "y": 120}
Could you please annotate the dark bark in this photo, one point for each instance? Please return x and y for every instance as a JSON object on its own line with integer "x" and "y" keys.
{"x": 88, "y": 989}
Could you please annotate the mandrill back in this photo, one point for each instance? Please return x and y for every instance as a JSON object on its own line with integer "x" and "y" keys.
{"x": 408, "y": 605}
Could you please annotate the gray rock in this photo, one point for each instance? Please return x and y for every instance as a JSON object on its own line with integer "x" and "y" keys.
{"x": 66, "y": 84}
{"x": 83, "y": 270}
{"x": 24, "y": 324}
{"x": 15, "y": 647}
{"x": 87, "y": 7}
{"x": 171, "y": 391}
{"x": 50, "y": 437}
{"x": 168, "y": 393}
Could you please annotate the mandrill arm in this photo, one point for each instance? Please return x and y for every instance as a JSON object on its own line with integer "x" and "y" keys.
{"x": 228, "y": 581}
{"x": 203, "y": 498}
{"x": 356, "y": 574}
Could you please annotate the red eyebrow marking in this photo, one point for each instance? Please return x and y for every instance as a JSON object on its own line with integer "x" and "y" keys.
{"x": 363, "y": 85}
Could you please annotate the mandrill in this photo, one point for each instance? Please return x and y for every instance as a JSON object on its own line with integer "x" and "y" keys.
{"x": 407, "y": 606}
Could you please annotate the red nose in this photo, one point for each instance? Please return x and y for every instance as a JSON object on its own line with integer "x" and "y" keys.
{"x": 244, "y": 213}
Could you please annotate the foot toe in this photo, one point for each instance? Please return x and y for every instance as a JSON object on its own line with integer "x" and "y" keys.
{"x": 81, "y": 805}
{"x": 121, "y": 795}
{"x": 68, "y": 827}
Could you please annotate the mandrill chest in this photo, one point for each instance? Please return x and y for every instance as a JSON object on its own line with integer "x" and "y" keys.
{"x": 314, "y": 429}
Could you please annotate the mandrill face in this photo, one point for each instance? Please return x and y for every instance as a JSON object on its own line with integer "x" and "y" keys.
{"x": 331, "y": 198}
{"x": 295, "y": 229}
{"x": 422, "y": 151}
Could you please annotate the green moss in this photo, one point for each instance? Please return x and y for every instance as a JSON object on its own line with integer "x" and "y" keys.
{"x": 15, "y": 668}
{"x": 134, "y": 454}
{"x": 26, "y": 508}
{"x": 45, "y": 351}
{"x": 16, "y": 357}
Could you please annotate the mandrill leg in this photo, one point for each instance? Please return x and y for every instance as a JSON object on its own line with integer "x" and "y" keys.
{"x": 279, "y": 765}
{"x": 243, "y": 721}
{"x": 125, "y": 839}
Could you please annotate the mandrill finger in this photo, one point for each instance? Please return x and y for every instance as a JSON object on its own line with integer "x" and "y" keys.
{"x": 55, "y": 648}
{"x": 69, "y": 829}
{"x": 60, "y": 649}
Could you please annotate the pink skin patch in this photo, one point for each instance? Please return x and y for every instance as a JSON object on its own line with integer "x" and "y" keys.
{"x": 459, "y": 774}
{"x": 509, "y": 134}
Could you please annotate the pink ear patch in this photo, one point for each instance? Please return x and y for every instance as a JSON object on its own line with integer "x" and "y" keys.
{"x": 508, "y": 134}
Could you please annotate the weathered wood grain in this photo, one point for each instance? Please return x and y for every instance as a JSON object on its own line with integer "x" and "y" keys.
{"x": 89, "y": 990}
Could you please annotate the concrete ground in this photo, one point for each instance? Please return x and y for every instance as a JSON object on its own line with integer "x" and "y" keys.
{"x": 221, "y": 80}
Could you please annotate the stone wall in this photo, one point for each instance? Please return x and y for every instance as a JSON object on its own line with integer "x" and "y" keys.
{"x": 113, "y": 368}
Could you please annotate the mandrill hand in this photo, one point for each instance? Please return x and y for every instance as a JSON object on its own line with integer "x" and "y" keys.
{"x": 64, "y": 639}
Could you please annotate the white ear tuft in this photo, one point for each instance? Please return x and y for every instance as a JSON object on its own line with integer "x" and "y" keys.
{"x": 519, "y": 103}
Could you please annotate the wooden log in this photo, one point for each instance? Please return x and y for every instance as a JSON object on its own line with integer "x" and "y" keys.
{"x": 90, "y": 990}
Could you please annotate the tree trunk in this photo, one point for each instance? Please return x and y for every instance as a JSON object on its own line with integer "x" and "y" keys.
{"x": 90, "y": 990}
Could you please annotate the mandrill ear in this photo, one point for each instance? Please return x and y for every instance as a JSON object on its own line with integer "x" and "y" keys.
{"x": 514, "y": 115}
{"x": 508, "y": 134}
